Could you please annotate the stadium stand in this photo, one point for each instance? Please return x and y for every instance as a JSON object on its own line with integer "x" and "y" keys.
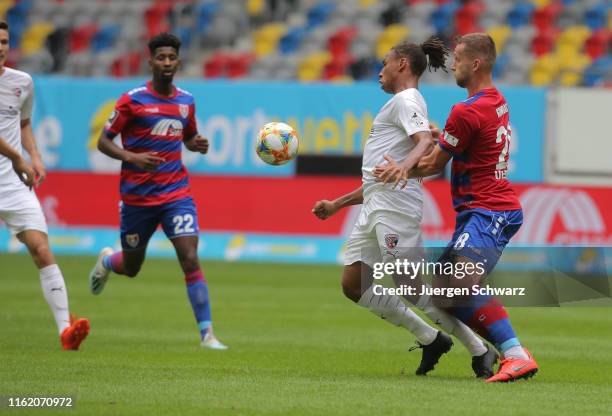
{"x": 542, "y": 42}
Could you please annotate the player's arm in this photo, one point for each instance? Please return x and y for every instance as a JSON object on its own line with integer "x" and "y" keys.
{"x": 120, "y": 118}
{"x": 23, "y": 170}
{"x": 29, "y": 144}
{"x": 432, "y": 164}
{"x": 193, "y": 140}
{"x": 399, "y": 172}
{"x": 324, "y": 209}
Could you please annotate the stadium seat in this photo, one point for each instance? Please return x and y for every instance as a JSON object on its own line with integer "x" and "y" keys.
{"x": 597, "y": 44}
{"x": 599, "y": 72}
{"x": 318, "y": 14}
{"x": 34, "y": 38}
{"x": 214, "y": 66}
{"x": 256, "y": 7}
{"x": 126, "y": 65}
{"x": 544, "y": 70}
{"x": 543, "y": 43}
{"x": 544, "y": 17}
{"x": 266, "y": 39}
{"x": 17, "y": 18}
{"x": 238, "y": 65}
{"x": 362, "y": 68}
{"x": 596, "y": 17}
{"x": 340, "y": 41}
{"x": 80, "y": 37}
{"x": 205, "y": 15}
{"x": 500, "y": 35}
{"x": 391, "y": 36}
{"x": 338, "y": 66}
{"x": 466, "y": 18}
{"x": 442, "y": 17}
{"x": 292, "y": 40}
{"x": 501, "y": 63}
{"x": 311, "y": 67}
{"x": 105, "y": 38}
{"x": 5, "y": 5}
{"x": 520, "y": 14}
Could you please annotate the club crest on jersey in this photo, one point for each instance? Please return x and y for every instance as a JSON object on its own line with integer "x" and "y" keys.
{"x": 132, "y": 240}
{"x": 17, "y": 92}
{"x": 184, "y": 110}
{"x": 391, "y": 240}
{"x": 417, "y": 120}
{"x": 111, "y": 118}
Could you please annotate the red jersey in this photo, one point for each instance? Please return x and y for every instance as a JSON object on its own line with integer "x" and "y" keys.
{"x": 477, "y": 134}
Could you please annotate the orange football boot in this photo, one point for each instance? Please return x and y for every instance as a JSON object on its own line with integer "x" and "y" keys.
{"x": 512, "y": 369}
{"x": 75, "y": 334}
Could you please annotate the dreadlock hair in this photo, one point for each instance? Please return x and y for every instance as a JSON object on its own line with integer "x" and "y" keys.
{"x": 433, "y": 48}
{"x": 164, "y": 39}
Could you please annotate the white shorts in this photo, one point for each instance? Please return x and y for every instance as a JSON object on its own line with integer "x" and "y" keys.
{"x": 21, "y": 211}
{"x": 383, "y": 236}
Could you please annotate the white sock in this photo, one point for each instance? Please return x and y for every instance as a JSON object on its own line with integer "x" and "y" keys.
{"x": 54, "y": 290}
{"x": 395, "y": 311}
{"x": 452, "y": 325}
{"x": 516, "y": 351}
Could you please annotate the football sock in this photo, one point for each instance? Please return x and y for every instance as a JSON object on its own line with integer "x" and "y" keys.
{"x": 392, "y": 309}
{"x": 487, "y": 316}
{"x": 54, "y": 290}
{"x": 452, "y": 326}
{"x": 114, "y": 262}
{"x": 197, "y": 291}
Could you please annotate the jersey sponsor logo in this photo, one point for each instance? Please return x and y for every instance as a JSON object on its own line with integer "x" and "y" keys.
{"x": 450, "y": 139}
{"x": 132, "y": 240}
{"x": 111, "y": 119}
{"x": 168, "y": 127}
{"x": 184, "y": 110}
{"x": 576, "y": 210}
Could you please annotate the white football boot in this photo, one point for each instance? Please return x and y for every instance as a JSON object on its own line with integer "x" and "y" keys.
{"x": 99, "y": 274}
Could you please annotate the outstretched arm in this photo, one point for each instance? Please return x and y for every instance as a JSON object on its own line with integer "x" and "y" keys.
{"x": 324, "y": 209}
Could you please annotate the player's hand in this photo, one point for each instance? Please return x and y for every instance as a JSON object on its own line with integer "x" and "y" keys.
{"x": 25, "y": 172}
{"x": 324, "y": 209}
{"x": 40, "y": 173}
{"x": 198, "y": 144}
{"x": 147, "y": 161}
{"x": 435, "y": 132}
{"x": 392, "y": 172}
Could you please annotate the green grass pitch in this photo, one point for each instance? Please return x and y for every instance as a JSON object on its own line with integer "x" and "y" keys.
{"x": 297, "y": 346}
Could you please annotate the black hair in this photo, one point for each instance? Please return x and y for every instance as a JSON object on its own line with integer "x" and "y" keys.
{"x": 164, "y": 39}
{"x": 4, "y": 25}
{"x": 433, "y": 48}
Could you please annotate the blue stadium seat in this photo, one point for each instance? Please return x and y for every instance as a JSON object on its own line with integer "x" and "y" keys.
{"x": 319, "y": 13}
{"x": 105, "y": 38}
{"x": 206, "y": 14}
{"x": 291, "y": 41}
{"x": 598, "y": 71}
{"x": 17, "y": 18}
{"x": 596, "y": 17}
{"x": 501, "y": 63}
{"x": 442, "y": 18}
{"x": 520, "y": 15}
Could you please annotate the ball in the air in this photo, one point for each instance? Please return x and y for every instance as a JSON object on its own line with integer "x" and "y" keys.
{"x": 277, "y": 143}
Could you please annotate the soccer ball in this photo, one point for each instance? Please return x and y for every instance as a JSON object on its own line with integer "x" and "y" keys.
{"x": 277, "y": 143}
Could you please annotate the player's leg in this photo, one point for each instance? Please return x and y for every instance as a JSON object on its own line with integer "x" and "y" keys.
{"x": 480, "y": 242}
{"x": 137, "y": 226}
{"x": 180, "y": 223}
{"x": 405, "y": 242}
{"x": 24, "y": 218}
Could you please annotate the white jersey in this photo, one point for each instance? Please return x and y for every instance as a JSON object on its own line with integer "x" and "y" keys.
{"x": 16, "y": 98}
{"x": 402, "y": 116}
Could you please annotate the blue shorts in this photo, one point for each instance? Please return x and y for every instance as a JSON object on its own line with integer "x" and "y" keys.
{"x": 138, "y": 223}
{"x": 482, "y": 235}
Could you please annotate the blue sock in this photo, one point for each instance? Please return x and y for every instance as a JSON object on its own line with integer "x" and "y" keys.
{"x": 197, "y": 290}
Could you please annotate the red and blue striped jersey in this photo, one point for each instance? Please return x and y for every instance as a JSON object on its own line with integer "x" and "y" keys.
{"x": 149, "y": 122}
{"x": 477, "y": 134}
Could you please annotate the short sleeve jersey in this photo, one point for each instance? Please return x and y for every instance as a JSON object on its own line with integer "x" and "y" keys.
{"x": 149, "y": 122}
{"x": 477, "y": 134}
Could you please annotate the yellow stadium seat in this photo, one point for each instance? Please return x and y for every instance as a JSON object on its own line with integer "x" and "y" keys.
{"x": 367, "y": 3}
{"x": 575, "y": 36}
{"x": 266, "y": 39}
{"x": 575, "y": 62}
{"x": 342, "y": 79}
{"x": 311, "y": 67}
{"x": 4, "y": 6}
{"x": 255, "y": 7}
{"x": 570, "y": 78}
{"x": 34, "y": 37}
{"x": 500, "y": 35}
{"x": 540, "y": 3}
{"x": 610, "y": 20}
{"x": 391, "y": 36}
{"x": 544, "y": 70}
{"x": 540, "y": 77}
